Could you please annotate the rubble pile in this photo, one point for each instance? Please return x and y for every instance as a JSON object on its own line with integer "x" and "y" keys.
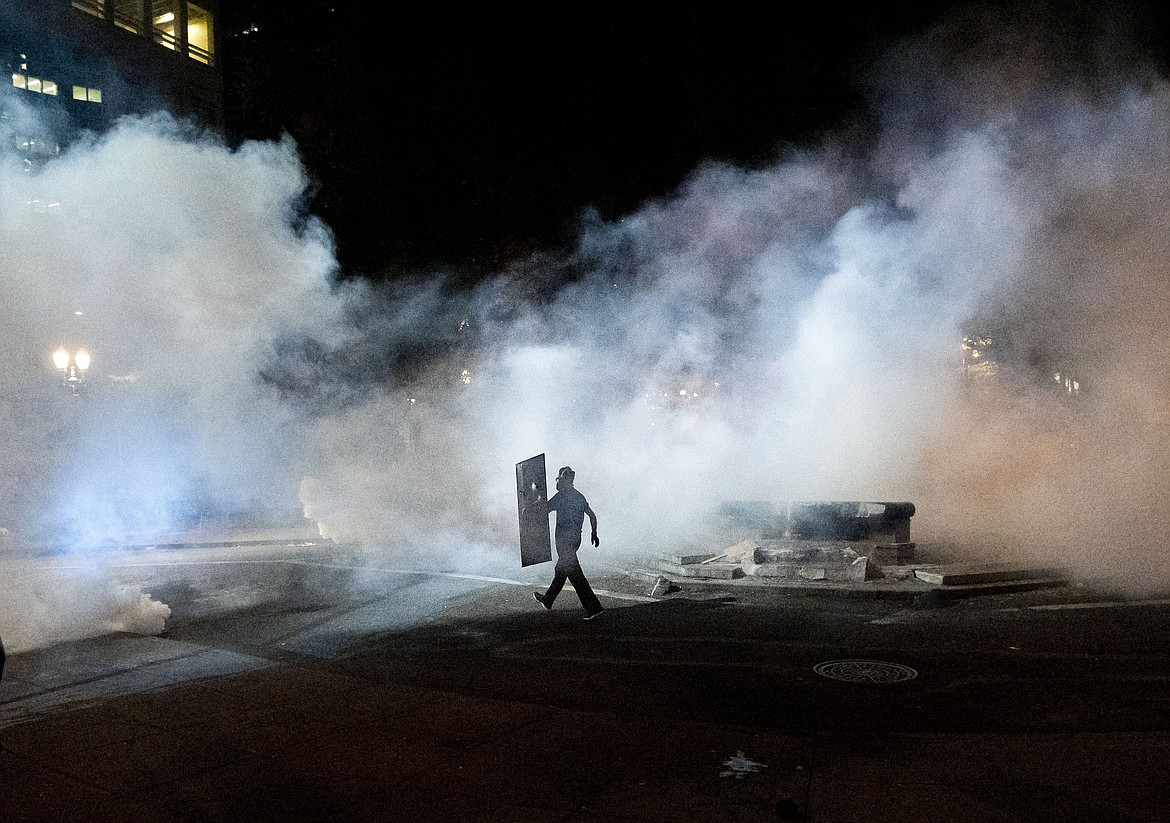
{"x": 830, "y": 541}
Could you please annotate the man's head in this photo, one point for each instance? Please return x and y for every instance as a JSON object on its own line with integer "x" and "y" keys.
{"x": 565, "y": 478}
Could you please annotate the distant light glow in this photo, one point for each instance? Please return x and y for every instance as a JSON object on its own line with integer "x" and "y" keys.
{"x": 82, "y": 359}
{"x": 61, "y": 359}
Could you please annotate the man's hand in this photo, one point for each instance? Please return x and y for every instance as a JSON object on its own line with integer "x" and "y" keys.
{"x": 593, "y": 539}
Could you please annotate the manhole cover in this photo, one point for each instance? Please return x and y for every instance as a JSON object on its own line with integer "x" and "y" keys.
{"x": 865, "y": 671}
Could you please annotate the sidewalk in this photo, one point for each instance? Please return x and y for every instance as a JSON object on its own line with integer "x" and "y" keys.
{"x": 129, "y": 728}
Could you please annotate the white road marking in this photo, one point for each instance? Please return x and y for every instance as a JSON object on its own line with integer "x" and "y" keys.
{"x": 636, "y": 598}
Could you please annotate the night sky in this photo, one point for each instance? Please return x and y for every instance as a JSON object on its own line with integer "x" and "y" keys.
{"x": 442, "y": 138}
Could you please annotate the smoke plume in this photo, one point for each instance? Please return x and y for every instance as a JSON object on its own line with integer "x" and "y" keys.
{"x": 791, "y": 332}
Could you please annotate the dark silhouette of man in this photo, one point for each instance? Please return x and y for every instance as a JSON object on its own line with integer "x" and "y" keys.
{"x": 571, "y": 508}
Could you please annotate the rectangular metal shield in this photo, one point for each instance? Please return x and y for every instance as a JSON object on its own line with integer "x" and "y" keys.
{"x": 532, "y": 499}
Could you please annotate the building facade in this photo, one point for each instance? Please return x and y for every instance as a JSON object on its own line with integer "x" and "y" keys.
{"x": 76, "y": 66}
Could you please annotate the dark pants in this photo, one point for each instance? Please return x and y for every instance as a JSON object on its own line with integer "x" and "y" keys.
{"x": 568, "y": 568}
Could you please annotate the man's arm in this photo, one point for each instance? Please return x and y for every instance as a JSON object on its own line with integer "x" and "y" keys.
{"x": 593, "y": 524}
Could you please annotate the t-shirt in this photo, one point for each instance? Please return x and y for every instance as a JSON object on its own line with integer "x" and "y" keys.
{"x": 570, "y": 506}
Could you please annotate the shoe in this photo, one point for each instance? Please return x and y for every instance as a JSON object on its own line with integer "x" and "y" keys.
{"x": 592, "y": 615}
{"x": 539, "y": 598}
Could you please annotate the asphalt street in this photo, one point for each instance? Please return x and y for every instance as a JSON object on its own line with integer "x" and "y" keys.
{"x": 363, "y": 691}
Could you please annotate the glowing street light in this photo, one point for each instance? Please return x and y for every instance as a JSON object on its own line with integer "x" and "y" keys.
{"x": 73, "y": 367}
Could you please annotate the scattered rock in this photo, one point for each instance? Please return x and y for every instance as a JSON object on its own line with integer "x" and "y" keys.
{"x": 662, "y": 586}
{"x": 857, "y": 570}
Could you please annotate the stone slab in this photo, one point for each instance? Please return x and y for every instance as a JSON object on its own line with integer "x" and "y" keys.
{"x": 973, "y": 574}
{"x": 856, "y": 571}
{"x": 888, "y": 554}
{"x": 785, "y": 571}
{"x": 713, "y": 571}
{"x": 956, "y": 592}
{"x": 684, "y": 559}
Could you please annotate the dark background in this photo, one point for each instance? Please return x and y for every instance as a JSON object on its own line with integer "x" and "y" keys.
{"x": 446, "y": 138}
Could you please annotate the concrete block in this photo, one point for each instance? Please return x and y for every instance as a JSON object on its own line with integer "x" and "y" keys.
{"x": 721, "y": 571}
{"x": 662, "y": 586}
{"x": 767, "y": 555}
{"x": 898, "y": 572}
{"x": 715, "y": 571}
{"x": 684, "y": 559}
{"x": 872, "y": 570}
{"x": 855, "y": 572}
{"x": 776, "y": 570}
{"x": 971, "y": 574}
{"x": 811, "y": 573}
{"x": 889, "y": 554}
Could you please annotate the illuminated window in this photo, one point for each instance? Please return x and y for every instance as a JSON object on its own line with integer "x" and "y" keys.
{"x": 37, "y": 84}
{"x": 88, "y": 95}
{"x": 164, "y": 17}
{"x": 127, "y": 15}
{"x": 95, "y": 7}
{"x": 200, "y": 28}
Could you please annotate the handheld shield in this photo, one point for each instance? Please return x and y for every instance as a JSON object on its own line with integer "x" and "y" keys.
{"x": 532, "y": 500}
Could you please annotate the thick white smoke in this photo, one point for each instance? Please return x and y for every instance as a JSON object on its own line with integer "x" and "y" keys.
{"x": 784, "y": 333}
{"x": 794, "y": 332}
{"x": 176, "y": 264}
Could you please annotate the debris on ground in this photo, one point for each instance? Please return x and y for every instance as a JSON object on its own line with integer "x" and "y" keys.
{"x": 845, "y": 542}
{"x": 838, "y": 544}
{"x": 662, "y": 587}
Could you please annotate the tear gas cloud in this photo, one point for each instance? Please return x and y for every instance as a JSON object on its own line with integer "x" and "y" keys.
{"x": 782, "y": 333}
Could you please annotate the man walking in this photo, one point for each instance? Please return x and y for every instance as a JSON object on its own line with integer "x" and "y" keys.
{"x": 571, "y": 508}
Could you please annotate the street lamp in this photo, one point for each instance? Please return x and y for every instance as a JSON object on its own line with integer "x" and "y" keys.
{"x": 73, "y": 367}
